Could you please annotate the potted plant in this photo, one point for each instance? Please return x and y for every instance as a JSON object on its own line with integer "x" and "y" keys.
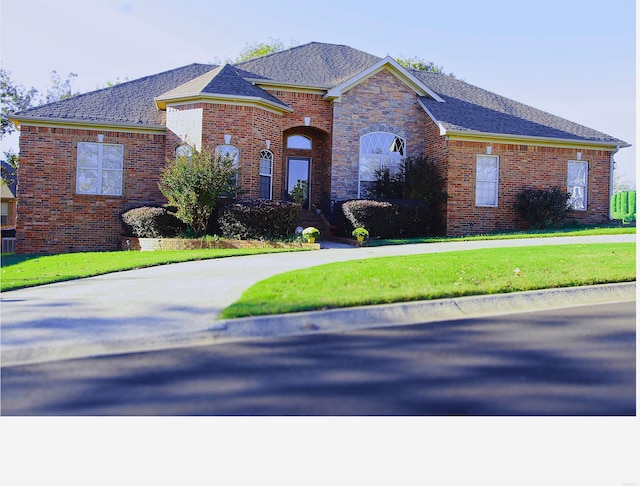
{"x": 310, "y": 234}
{"x": 360, "y": 234}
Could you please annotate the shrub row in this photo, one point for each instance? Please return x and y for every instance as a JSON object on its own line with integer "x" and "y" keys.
{"x": 248, "y": 219}
{"x": 252, "y": 219}
{"x": 389, "y": 219}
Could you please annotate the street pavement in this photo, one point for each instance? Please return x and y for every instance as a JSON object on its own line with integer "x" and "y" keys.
{"x": 179, "y": 304}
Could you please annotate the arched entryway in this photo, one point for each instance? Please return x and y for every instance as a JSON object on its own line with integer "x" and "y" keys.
{"x": 306, "y": 166}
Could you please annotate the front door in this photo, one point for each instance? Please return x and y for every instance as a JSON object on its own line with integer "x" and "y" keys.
{"x": 298, "y": 180}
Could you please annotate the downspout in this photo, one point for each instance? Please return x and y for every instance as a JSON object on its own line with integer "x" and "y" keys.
{"x": 612, "y": 165}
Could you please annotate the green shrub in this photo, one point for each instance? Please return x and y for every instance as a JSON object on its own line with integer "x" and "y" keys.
{"x": 254, "y": 219}
{"x": 417, "y": 178}
{"x": 150, "y": 222}
{"x": 389, "y": 219}
{"x": 623, "y": 206}
{"x": 195, "y": 184}
{"x": 542, "y": 208}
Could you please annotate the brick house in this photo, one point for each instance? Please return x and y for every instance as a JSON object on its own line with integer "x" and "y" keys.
{"x": 325, "y": 114}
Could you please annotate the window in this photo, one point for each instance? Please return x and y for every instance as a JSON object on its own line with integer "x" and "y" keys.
{"x": 487, "y": 180}
{"x": 266, "y": 174}
{"x": 233, "y": 152}
{"x": 184, "y": 151}
{"x": 299, "y": 142}
{"x": 99, "y": 169}
{"x": 577, "y": 172}
{"x": 379, "y": 150}
{"x": 4, "y": 213}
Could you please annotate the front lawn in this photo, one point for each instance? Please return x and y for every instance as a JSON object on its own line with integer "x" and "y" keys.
{"x": 437, "y": 275}
{"x": 20, "y": 271}
{"x": 512, "y": 235}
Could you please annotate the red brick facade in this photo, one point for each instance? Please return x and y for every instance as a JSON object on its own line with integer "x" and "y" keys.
{"x": 53, "y": 218}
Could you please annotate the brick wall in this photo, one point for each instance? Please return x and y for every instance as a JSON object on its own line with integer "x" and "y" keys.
{"x": 52, "y": 218}
{"x": 520, "y": 166}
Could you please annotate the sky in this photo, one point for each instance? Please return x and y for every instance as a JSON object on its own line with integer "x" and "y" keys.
{"x": 572, "y": 58}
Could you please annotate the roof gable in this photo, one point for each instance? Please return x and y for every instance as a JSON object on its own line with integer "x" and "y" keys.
{"x": 222, "y": 84}
{"x": 394, "y": 68}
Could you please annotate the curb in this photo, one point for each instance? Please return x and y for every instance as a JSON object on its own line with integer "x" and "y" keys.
{"x": 337, "y": 320}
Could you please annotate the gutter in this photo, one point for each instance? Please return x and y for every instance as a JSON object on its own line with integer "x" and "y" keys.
{"x": 90, "y": 124}
{"x": 612, "y": 166}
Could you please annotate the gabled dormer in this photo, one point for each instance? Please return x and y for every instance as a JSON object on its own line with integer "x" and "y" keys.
{"x": 222, "y": 85}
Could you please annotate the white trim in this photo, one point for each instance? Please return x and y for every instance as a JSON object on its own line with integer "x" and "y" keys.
{"x": 89, "y": 125}
{"x": 392, "y": 66}
{"x": 473, "y": 136}
{"x": 162, "y": 103}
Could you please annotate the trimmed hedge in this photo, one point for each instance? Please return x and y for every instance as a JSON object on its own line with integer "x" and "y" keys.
{"x": 150, "y": 222}
{"x": 254, "y": 219}
{"x": 623, "y": 206}
{"x": 389, "y": 219}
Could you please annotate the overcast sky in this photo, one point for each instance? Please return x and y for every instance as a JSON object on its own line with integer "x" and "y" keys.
{"x": 573, "y": 58}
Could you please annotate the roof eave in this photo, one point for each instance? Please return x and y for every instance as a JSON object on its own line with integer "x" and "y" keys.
{"x": 529, "y": 139}
{"x": 162, "y": 103}
{"x": 91, "y": 124}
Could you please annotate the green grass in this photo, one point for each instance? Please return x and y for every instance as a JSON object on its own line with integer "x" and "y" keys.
{"x": 437, "y": 275}
{"x": 19, "y": 271}
{"x": 511, "y": 235}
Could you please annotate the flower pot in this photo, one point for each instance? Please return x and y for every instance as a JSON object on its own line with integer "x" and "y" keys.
{"x": 360, "y": 238}
{"x": 311, "y": 240}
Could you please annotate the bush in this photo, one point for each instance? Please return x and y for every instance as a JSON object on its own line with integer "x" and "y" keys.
{"x": 542, "y": 208}
{"x": 417, "y": 178}
{"x": 623, "y": 206}
{"x": 150, "y": 222}
{"x": 195, "y": 184}
{"x": 389, "y": 219}
{"x": 254, "y": 219}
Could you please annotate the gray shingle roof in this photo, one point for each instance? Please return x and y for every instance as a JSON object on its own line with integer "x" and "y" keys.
{"x": 129, "y": 103}
{"x": 468, "y": 108}
{"x": 313, "y": 64}
{"x": 224, "y": 80}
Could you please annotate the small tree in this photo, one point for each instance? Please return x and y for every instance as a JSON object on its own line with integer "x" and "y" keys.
{"x": 194, "y": 184}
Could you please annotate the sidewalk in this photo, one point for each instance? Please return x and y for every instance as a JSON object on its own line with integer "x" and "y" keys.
{"x": 178, "y": 304}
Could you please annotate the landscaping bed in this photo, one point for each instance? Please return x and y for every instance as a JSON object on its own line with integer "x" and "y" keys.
{"x": 160, "y": 244}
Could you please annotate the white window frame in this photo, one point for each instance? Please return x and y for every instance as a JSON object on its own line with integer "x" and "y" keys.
{"x": 485, "y": 184}
{"x": 389, "y": 158}
{"x": 579, "y": 191}
{"x": 266, "y": 170}
{"x": 100, "y": 170}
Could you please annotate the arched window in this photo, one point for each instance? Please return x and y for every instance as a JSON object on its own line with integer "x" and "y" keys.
{"x": 184, "y": 151}
{"x": 379, "y": 150}
{"x": 299, "y": 142}
{"x": 266, "y": 174}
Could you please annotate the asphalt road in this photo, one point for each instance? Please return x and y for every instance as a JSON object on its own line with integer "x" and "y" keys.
{"x": 572, "y": 361}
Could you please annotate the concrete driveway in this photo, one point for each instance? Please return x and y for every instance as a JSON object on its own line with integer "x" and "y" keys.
{"x": 171, "y": 305}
